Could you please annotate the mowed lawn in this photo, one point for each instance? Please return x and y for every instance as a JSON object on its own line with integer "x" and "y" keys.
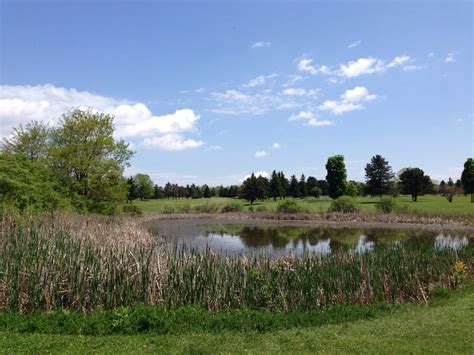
{"x": 428, "y": 203}
{"x": 444, "y": 328}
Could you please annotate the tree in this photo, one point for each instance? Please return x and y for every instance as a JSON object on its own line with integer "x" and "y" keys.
{"x": 336, "y": 176}
{"x": 31, "y": 141}
{"x": 312, "y": 182}
{"x": 414, "y": 182}
{"x": 467, "y": 178}
{"x": 276, "y": 188}
{"x": 448, "y": 190}
{"x": 303, "y": 187}
{"x": 285, "y": 184}
{"x": 132, "y": 193}
{"x": 378, "y": 175}
{"x": 352, "y": 189}
{"x": 85, "y": 156}
{"x": 324, "y": 186}
{"x": 144, "y": 186}
{"x": 158, "y": 192}
{"x": 251, "y": 189}
{"x": 206, "y": 192}
{"x": 294, "y": 187}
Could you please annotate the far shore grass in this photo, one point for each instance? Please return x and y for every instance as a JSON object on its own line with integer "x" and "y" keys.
{"x": 426, "y": 204}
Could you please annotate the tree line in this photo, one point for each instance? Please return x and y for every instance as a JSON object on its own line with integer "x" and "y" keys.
{"x": 79, "y": 165}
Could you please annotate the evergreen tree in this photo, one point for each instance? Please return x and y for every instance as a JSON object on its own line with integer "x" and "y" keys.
{"x": 414, "y": 182}
{"x": 132, "y": 193}
{"x": 276, "y": 188}
{"x": 251, "y": 189}
{"x": 206, "y": 192}
{"x": 303, "y": 187}
{"x": 378, "y": 175}
{"x": 294, "y": 188}
{"x": 285, "y": 184}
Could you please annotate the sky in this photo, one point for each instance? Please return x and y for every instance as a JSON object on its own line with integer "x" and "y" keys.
{"x": 208, "y": 92}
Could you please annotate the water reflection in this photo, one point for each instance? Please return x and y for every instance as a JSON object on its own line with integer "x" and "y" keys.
{"x": 278, "y": 240}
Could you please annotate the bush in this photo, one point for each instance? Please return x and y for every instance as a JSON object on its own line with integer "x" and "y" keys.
{"x": 261, "y": 208}
{"x": 231, "y": 207}
{"x": 344, "y": 204}
{"x": 206, "y": 208}
{"x": 403, "y": 209}
{"x": 184, "y": 209}
{"x": 387, "y": 204}
{"x": 133, "y": 210}
{"x": 315, "y": 191}
{"x": 168, "y": 209}
{"x": 288, "y": 206}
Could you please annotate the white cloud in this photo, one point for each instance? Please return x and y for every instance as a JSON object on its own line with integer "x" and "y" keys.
{"x": 451, "y": 57}
{"x": 292, "y": 80}
{"x": 413, "y": 67}
{"x": 171, "y": 142}
{"x": 200, "y": 90}
{"x": 214, "y": 147}
{"x": 397, "y": 61}
{"x": 21, "y": 104}
{"x": 361, "y": 66}
{"x": 294, "y": 92}
{"x": 276, "y": 145}
{"x": 350, "y": 100}
{"x": 306, "y": 65}
{"x": 260, "y": 154}
{"x": 261, "y": 44}
{"x": 260, "y": 80}
{"x": 310, "y": 119}
{"x": 354, "y": 44}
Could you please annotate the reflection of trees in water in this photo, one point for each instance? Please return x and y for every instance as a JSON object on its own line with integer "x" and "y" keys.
{"x": 340, "y": 239}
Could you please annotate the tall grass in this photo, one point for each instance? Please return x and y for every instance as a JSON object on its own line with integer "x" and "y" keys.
{"x": 80, "y": 266}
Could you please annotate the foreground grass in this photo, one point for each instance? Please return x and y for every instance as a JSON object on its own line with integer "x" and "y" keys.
{"x": 427, "y": 204}
{"x": 447, "y": 327}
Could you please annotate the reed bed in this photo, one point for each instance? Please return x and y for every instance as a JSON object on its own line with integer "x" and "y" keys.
{"x": 83, "y": 264}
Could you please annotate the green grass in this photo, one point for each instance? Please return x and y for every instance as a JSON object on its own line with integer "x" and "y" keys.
{"x": 428, "y": 204}
{"x": 446, "y": 327}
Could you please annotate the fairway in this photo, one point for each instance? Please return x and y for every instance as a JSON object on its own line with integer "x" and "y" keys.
{"x": 428, "y": 204}
{"x": 446, "y": 327}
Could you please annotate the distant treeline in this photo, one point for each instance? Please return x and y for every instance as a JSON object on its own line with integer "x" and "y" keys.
{"x": 78, "y": 165}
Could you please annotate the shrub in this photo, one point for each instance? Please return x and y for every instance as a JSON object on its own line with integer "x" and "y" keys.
{"x": 403, "y": 209}
{"x": 231, "y": 207}
{"x": 133, "y": 210}
{"x": 206, "y": 208}
{"x": 184, "y": 209}
{"x": 261, "y": 208}
{"x": 387, "y": 204}
{"x": 315, "y": 191}
{"x": 288, "y": 206}
{"x": 168, "y": 209}
{"x": 344, "y": 204}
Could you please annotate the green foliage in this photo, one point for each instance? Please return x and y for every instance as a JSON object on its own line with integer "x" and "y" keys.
{"x": 336, "y": 176}
{"x": 467, "y": 178}
{"x": 132, "y": 210}
{"x": 144, "y": 187}
{"x": 288, "y": 206}
{"x": 344, "y": 204}
{"x": 167, "y": 209}
{"x": 207, "y": 207}
{"x": 27, "y": 185}
{"x": 378, "y": 175}
{"x": 414, "y": 182}
{"x": 254, "y": 188}
{"x": 231, "y": 207}
{"x": 386, "y": 204}
{"x": 31, "y": 141}
{"x": 294, "y": 187}
{"x": 352, "y": 189}
{"x": 315, "y": 191}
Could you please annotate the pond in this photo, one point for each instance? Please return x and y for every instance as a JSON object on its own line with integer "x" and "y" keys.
{"x": 275, "y": 238}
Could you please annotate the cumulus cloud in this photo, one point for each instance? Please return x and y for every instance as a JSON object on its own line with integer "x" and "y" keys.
{"x": 299, "y": 92}
{"x": 21, "y": 104}
{"x": 276, "y": 145}
{"x": 261, "y": 44}
{"x": 260, "y": 154}
{"x": 351, "y": 100}
{"x": 354, "y": 44}
{"x": 310, "y": 119}
{"x": 306, "y": 65}
{"x": 361, "y": 66}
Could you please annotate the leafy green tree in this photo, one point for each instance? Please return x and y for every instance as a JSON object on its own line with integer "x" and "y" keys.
{"x": 303, "y": 187}
{"x": 312, "y": 182}
{"x": 251, "y": 189}
{"x": 27, "y": 185}
{"x": 294, "y": 188}
{"x": 352, "y": 189}
{"x": 85, "y": 155}
{"x": 158, "y": 192}
{"x": 467, "y": 178}
{"x": 414, "y": 182}
{"x": 315, "y": 191}
{"x": 32, "y": 141}
{"x": 276, "y": 188}
{"x": 378, "y": 175}
{"x": 323, "y": 184}
{"x": 144, "y": 186}
{"x": 336, "y": 176}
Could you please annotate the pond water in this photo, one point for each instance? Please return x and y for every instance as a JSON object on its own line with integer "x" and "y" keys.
{"x": 275, "y": 238}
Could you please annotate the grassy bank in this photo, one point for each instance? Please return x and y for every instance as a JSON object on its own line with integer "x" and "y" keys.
{"x": 425, "y": 204}
{"x": 444, "y": 327}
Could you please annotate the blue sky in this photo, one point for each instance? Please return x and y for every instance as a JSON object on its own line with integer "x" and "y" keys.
{"x": 203, "y": 91}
